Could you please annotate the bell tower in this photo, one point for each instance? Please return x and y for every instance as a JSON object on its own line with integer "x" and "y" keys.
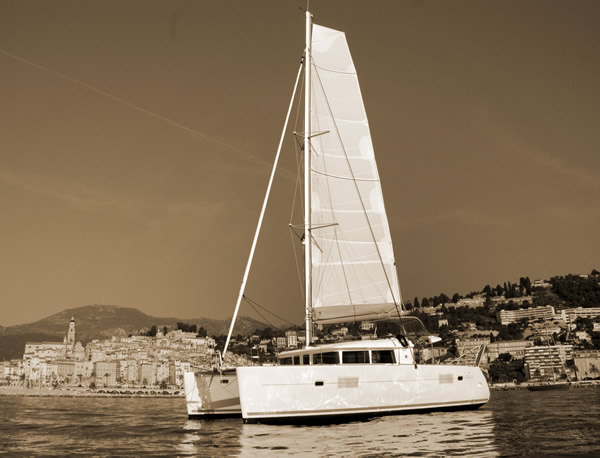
{"x": 71, "y": 333}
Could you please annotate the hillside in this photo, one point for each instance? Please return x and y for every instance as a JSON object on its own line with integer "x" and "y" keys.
{"x": 103, "y": 322}
{"x": 12, "y": 346}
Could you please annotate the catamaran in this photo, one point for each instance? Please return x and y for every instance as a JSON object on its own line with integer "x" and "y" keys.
{"x": 350, "y": 276}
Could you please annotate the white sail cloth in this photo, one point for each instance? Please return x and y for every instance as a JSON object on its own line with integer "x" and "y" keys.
{"x": 353, "y": 269}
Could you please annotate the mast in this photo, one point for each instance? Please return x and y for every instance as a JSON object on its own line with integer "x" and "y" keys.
{"x": 307, "y": 190}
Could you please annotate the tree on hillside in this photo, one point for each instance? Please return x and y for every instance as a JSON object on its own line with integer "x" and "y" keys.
{"x": 595, "y": 336}
{"x": 202, "y": 332}
{"x": 487, "y": 290}
{"x": 455, "y": 298}
{"x": 577, "y": 291}
{"x": 151, "y": 332}
{"x": 266, "y": 333}
{"x": 510, "y": 305}
{"x": 220, "y": 342}
{"x": 441, "y": 299}
{"x": 506, "y": 369}
{"x": 525, "y": 283}
{"x": 506, "y": 357}
{"x": 499, "y": 290}
{"x": 584, "y": 324}
{"x": 186, "y": 327}
{"x": 514, "y": 331}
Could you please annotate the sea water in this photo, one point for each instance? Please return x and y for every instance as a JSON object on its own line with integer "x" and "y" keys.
{"x": 516, "y": 422}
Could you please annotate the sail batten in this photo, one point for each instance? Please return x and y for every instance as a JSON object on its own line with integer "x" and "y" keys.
{"x": 352, "y": 265}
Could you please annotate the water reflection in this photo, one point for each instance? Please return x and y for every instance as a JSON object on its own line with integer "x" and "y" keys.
{"x": 211, "y": 438}
{"x": 442, "y": 433}
{"x": 512, "y": 423}
{"x": 187, "y": 446}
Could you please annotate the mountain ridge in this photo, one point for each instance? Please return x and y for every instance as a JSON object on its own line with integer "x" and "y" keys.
{"x": 101, "y": 321}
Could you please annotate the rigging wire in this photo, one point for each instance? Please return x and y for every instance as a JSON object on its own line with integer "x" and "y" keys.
{"x": 296, "y": 188}
{"x": 260, "y": 314}
{"x": 254, "y": 303}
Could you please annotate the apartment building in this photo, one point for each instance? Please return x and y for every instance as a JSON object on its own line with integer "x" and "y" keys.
{"x": 506, "y": 317}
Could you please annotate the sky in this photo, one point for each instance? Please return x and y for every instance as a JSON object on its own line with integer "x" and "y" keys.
{"x": 137, "y": 137}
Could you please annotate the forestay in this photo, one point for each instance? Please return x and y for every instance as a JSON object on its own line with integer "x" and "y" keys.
{"x": 353, "y": 269}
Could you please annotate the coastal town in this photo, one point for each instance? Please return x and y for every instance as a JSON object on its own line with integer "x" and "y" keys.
{"x": 509, "y": 331}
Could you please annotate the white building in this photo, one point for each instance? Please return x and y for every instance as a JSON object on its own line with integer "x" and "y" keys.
{"x": 367, "y": 326}
{"x": 570, "y": 315}
{"x": 105, "y": 373}
{"x": 516, "y": 348}
{"x": 506, "y": 317}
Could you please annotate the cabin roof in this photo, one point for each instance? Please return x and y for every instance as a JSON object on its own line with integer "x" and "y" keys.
{"x": 391, "y": 342}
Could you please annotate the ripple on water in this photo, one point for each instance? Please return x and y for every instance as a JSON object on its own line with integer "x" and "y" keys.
{"x": 513, "y": 423}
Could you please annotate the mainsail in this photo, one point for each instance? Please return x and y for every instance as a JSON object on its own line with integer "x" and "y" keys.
{"x": 353, "y": 268}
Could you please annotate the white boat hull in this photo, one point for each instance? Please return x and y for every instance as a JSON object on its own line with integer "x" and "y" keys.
{"x": 292, "y": 393}
{"x": 212, "y": 394}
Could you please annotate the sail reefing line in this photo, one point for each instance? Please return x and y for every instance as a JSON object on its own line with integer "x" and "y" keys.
{"x": 342, "y": 177}
{"x": 260, "y": 218}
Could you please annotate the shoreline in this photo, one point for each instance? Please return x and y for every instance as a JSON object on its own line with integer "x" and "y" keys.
{"x": 148, "y": 393}
{"x": 86, "y": 392}
{"x": 524, "y": 385}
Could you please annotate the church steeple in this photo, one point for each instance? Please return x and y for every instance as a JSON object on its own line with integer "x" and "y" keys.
{"x": 71, "y": 333}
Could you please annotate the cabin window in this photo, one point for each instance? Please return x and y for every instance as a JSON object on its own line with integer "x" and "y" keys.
{"x": 285, "y": 361}
{"x": 382, "y": 357}
{"x": 306, "y": 360}
{"x": 296, "y": 360}
{"x": 355, "y": 357}
{"x": 331, "y": 357}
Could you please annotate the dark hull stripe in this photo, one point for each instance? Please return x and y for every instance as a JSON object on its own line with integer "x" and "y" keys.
{"x": 216, "y": 415}
{"x": 327, "y": 419}
{"x": 371, "y": 409}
